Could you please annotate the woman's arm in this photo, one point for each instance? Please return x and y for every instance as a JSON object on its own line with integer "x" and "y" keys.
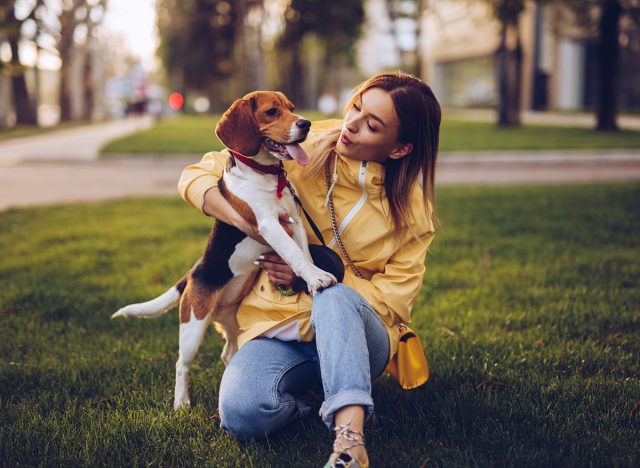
{"x": 199, "y": 188}
{"x": 216, "y": 206}
{"x": 393, "y": 291}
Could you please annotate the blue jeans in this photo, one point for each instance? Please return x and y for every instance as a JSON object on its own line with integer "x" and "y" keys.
{"x": 261, "y": 387}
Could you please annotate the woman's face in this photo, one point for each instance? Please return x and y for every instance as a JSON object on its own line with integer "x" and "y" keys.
{"x": 370, "y": 129}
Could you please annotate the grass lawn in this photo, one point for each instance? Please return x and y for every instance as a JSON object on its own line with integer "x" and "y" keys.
{"x": 195, "y": 134}
{"x": 530, "y": 317}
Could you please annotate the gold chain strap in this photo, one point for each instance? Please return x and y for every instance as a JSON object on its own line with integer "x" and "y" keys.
{"x": 332, "y": 215}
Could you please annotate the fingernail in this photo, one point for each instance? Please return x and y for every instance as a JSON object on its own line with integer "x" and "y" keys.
{"x": 260, "y": 257}
{"x": 256, "y": 263}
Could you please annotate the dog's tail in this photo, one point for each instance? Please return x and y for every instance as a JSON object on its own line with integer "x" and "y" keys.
{"x": 155, "y": 307}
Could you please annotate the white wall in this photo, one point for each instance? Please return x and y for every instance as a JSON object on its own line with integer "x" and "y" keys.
{"x": 570, "y": 75}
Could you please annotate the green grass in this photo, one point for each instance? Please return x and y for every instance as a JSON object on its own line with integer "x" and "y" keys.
{"x": 458, "y": 135}
{"x": 185, "y": 134}
{"x": 195, "y": 134}
{"x": 535, "y": 289}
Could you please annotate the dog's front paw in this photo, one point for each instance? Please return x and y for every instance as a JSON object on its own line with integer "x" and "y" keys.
{"x": 319, "y": 280}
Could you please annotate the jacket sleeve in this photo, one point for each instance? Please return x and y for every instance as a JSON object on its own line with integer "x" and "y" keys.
{"x": 196, "y": 179}
{"x": 393, "y": 291}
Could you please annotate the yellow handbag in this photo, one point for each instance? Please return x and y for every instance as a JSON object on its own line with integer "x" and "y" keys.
{"x": 409, "y": 366}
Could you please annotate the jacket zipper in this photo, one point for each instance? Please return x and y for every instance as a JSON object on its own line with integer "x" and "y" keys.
{"x": 358, "y": 205}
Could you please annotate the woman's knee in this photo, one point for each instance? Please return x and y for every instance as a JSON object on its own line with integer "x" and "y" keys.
{"x": 249, "y": 407}
{"x": 244, "y": 420}
{"x": 336, "y": 303}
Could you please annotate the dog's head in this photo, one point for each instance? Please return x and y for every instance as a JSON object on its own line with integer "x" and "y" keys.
{"x": 264, "y": 120}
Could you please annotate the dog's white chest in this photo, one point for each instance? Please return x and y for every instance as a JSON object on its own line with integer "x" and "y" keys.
{"x": 259, "y": 191}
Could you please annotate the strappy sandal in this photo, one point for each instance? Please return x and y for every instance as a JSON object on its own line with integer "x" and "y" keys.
{"x": 346, "y": 439}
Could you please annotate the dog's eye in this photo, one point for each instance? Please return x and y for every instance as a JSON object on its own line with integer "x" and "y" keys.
{"x": 271, "y": 112}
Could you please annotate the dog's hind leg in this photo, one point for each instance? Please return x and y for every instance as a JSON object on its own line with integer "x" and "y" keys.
{"x": 196, "y": 309}
{"x": 225, "y": 314}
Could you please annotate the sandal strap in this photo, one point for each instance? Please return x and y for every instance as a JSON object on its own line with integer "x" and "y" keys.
{"x": 345, "y": 434}
{"x": 345, "y": 440}
{"x": 344, "y": 460}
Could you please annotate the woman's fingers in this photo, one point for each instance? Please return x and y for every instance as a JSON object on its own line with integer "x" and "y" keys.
{"x": 273, "y": 257}
{"x": 278, "y": 271}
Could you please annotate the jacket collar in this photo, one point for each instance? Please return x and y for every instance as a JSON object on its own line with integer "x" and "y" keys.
{"x": 374, "y": 174}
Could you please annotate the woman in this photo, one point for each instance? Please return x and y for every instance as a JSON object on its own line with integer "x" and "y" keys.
{"x": 380, "y": 163}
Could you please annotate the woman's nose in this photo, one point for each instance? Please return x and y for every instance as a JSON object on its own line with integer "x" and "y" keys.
{"x": 352, "y": 126}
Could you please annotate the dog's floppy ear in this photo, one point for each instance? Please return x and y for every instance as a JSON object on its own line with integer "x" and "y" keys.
{"x": 238, "y": 129}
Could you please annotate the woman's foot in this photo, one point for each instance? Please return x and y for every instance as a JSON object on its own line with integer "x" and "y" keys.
{"x": 348, "y": 449}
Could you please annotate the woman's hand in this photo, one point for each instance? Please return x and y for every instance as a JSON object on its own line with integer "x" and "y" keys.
{"x": 278, "y": 271}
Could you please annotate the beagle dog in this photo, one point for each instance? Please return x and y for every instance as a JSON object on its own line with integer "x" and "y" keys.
{"x": 261, "y": 131}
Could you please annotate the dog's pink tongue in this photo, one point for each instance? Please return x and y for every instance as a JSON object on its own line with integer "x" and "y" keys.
{"x": 297, "y": 153}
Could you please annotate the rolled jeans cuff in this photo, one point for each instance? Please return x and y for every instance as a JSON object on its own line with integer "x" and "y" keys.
{"x": 345, "y": 398}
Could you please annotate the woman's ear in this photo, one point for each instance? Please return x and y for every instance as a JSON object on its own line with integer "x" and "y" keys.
{"x": 401, "y": 151}
{"x": 238, "y": 129}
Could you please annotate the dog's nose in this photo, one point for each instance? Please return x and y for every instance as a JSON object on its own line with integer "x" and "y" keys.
{"x": 303, "y": 124}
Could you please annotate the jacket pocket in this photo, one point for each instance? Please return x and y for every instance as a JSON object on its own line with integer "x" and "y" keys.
{"x": 268, "y": 292}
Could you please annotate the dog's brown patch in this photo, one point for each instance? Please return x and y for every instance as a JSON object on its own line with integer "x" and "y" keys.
{"x": 199, "y": 299}
{"x": 231, "y": 163}
{"x": 238, "y": 204}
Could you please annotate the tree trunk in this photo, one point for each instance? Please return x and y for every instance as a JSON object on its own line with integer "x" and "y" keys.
{"x": 65, "y": 46}
{"x": 509, "y": 75}
{"x": 25, "y": 113}
{"x": 608, "y": 58}
{"x": 503, "y": 78}
{"x": 420, "y": 68}
{"x": 4, "y": 104}
{"x": 297, "y": 73}
{"x": 254, "y": 68}
{"x": 88, "y": 102}
{"x": 516, "y": 81}
{"x": 76, "y": 78}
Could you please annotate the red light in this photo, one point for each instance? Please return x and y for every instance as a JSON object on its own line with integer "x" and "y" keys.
{"x": 176, "y": 101}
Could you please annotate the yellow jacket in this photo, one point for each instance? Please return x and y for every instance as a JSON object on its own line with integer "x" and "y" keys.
{"x": 393, "y": 270}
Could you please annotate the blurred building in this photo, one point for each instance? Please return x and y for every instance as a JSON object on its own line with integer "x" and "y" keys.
{"x": 559, "y": 58}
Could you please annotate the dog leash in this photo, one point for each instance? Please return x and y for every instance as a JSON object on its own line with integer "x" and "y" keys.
{"x": 315, "y": 229}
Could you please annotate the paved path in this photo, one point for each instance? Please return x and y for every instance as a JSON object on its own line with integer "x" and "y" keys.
{"x": 62, "y": 167}
{"x": 81, "y": 143}
{"x": 560, "y": 119}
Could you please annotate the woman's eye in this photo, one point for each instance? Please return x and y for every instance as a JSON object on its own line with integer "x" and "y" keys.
{"x": 271, "y": 112}
{"x": 355, "y": 106}
{"x": 373, "y": 129}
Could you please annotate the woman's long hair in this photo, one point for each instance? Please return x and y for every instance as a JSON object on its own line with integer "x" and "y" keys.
{"x": 419, "y": 116}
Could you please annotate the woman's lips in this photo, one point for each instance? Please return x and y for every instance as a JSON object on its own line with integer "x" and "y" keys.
{"x": 345, "y": 140}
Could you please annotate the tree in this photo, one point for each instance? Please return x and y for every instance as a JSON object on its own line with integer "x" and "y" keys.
{"x": 336, "y": 24}
{"x": 197, "y": 42}
{"x": 77, "y": 20}
{"x": 606, "y": 16}
{"x": 250, "y": 14}
{"x": 609, "y": 59}
{"x": 409, "y": 12}
{"x": 509, "y": 60}
{"x": 11, "y": 27}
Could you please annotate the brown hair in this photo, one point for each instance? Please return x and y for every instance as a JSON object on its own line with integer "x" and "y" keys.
{"x": 419, "y": 117}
